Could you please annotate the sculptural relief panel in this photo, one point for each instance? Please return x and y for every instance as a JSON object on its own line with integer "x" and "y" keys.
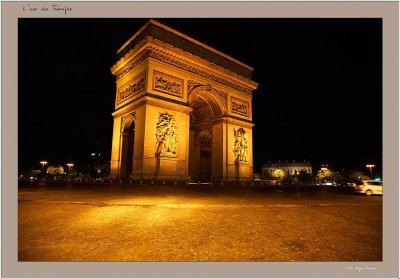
{"x": 166, "y": 131}
{"x": 240, "y": 149}
{"x": 132, "y": 88}
{"x": 239, "y": 106}
{"x": 167, "y": 84}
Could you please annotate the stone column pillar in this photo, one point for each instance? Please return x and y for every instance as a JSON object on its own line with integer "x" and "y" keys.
{"x": 240, "y": 151}
{"x": 218, "y": 165}
{"x": 115, "y": 151}
{"x": 192, "y": 157}
{"x": 124, "y": 156}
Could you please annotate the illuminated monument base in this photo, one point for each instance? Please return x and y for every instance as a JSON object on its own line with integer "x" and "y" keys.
{"x": 182, "y": 110}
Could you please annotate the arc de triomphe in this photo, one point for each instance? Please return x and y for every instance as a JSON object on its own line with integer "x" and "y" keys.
{"x": 182, "y": 110}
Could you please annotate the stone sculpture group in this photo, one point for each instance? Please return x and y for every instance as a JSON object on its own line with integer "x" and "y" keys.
{"x": 166, "y": 135}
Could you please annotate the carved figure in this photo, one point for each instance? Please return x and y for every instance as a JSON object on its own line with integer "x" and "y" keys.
{"x": 166, "y": 135}
{"x": 240, "y": 147}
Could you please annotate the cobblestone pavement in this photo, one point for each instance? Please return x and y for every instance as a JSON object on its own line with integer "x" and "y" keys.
{"x": 75, "y": 222}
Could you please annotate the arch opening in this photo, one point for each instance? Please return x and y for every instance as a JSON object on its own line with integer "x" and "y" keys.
{"x": 127, "y": 150}
{"x": 206, "y": 108}
{"x": 204, "y": 141}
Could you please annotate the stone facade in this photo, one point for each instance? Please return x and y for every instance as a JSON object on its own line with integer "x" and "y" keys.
{"x": 288, "y": 168}
{"x": 180, "y": 114}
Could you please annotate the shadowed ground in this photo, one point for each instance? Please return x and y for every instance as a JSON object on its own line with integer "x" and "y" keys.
{"x": 87, "y": 222}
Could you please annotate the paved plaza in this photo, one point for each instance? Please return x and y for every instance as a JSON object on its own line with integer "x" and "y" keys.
{"x": 100, "y": 222}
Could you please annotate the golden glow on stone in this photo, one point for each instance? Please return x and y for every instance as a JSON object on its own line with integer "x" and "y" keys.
{"x": 186, "y": 87}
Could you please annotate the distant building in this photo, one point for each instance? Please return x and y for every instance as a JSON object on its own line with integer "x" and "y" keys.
{"x": 271, "y": 169}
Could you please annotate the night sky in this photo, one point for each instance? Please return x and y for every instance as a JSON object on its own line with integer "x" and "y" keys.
{"x": 319, "y": 97}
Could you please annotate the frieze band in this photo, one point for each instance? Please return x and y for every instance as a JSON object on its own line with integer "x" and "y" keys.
{"x": 161, "y": 55}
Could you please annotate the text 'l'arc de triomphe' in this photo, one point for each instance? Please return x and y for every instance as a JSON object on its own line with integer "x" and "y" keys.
{"x": 182, "y": 110}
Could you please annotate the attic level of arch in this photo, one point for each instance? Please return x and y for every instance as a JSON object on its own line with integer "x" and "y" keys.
{"x": 151, "y": 48}
{"x": 155, "y": 30}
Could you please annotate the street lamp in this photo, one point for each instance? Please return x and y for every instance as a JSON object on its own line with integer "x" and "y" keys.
{"x": 370, "y": 168}
{"x": 43, "y": 163}
{"x": 69, "y": 168}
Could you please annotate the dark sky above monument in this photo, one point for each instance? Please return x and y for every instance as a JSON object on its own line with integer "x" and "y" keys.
{"x": 319, "y": 97}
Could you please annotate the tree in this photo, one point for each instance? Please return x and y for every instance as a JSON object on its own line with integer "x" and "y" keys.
{"x": 35, "y": 172}
{"x": 358, "y": 175}
{"x": 55, "y": 170}
{"x": 339, "y": 177}
{"x": 325, "y": 174}
{"x": 278, "y": 175}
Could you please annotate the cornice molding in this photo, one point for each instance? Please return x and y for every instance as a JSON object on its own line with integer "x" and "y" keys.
{"x": 153, "y": 100}
{"x": 229, "y": 119}
{"x": 120, "y": 68}
{"x": 151, "y": 50}
{"x": 168, "y": 29}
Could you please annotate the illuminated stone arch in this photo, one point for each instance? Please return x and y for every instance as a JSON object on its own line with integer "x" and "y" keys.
{"x": 207, "y": 106}
{"x": 184, "y": 102}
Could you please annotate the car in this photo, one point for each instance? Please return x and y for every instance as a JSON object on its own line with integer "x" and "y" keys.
{"x": 326, "y": 183}
{"x": 370, "y": 187}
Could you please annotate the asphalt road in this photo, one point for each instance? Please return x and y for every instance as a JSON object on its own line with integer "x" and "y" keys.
{"x": 86, "y": 222}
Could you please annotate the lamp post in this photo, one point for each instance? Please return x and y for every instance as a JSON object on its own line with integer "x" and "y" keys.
{"x": 43, "y": 163}
{"x": 370, "y": 166}
{"x": 69, "y": 168}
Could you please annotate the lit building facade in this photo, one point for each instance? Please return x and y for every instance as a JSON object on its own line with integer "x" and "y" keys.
{"x": 275, "y": 169}
{"x": 182, "y": 110}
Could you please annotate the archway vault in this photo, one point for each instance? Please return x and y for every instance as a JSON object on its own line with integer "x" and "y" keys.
{"x": 204, "y": 138}
{"x": 189, "y": 104}
{"x": 207, "y": 106}
{"x": 128, "y": 121}
{"x": 206, "y": 103}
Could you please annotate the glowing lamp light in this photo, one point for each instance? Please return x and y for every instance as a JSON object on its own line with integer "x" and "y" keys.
{"x": 69, "y": 167}
{"x": 43, "y": 163}
{"x": 370, "y": 166}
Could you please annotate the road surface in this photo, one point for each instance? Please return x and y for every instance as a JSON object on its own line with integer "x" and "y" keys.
{"x": 87, "y": 222}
